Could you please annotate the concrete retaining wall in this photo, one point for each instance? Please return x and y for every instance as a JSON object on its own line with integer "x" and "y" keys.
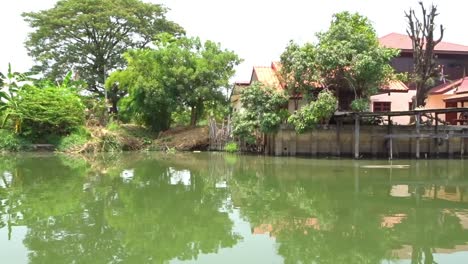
{"x": 330, "y": 141}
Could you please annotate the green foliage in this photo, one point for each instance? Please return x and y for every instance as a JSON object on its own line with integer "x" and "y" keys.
{"x": 91, "y": 36}
{"x": 297, "y": 63}
{"x": 179, "y": 73}
{"x": 75, "y": 139}
{"x": 113, "y": 126}
{"x": 12, "y": 142}
{"x": 314, "y": 113}
{"x": 51, "y": 110}
{"x": 263, "y": 112}
{"x": 181, "y": 117}
{"x": 231, "y": 147}
{"x": 347, "y": 55}
{"x": 360, "y": 105}
{"x": 10, "y": 85}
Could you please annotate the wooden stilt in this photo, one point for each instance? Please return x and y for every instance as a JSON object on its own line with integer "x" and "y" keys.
{"x": 418, "y": 123}
{"x": 356, "y": 136}
{"x": 338, "y": 137}
{"x": 389, "y": 132}
{"x": 436, "y": 131}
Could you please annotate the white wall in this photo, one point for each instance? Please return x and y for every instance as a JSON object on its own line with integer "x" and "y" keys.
{"x": 399, "y": 102}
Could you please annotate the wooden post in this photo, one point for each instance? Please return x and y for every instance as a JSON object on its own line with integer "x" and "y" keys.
{"x": 390, "y": 139}
{"x": 418, "y": 121}
{"x": 436, "y": 131}
{"x": 450, "y": 146}
{"x": 338, "y": 137}
{"x": 356, "y": 136}
{"x": 462, "y": 147}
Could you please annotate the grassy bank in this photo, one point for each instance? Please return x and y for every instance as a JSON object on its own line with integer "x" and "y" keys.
{"x": 112, "y": 138}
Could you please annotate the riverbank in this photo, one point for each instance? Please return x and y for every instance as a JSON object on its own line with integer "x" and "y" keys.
{"x": 113, "y": 138}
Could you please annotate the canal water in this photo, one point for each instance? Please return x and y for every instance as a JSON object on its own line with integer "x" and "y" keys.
{"x": 220, "y": 208}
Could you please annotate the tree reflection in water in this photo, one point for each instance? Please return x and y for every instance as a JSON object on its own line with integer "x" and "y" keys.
{"x": 75, "y": 213}
{"x": 154, "y": 208}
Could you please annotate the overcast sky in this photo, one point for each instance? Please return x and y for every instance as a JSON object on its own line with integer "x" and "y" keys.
{"x": 257, "y": 30}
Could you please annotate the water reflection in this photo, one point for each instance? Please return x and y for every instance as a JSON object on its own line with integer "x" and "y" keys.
{"x": 211, "y": 208}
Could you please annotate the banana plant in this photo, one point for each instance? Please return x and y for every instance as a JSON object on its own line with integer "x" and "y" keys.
{"x": 10, "y": 85}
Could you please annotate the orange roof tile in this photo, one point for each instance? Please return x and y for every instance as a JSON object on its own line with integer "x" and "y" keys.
{"x": 395, "y": 86}
{"x": 267, "y": 76}
{"x": 403, "y": 42}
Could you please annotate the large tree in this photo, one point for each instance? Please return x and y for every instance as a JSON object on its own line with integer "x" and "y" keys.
{"x": 347, "y": 58}
{"x": 178, "y": 72}
{"x": 89, "y": 37}
{"x": 421, "y": 31}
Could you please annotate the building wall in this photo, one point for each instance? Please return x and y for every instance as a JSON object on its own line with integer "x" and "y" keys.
{"x": 399, "y": 102}
{"x": 454, "y": 64}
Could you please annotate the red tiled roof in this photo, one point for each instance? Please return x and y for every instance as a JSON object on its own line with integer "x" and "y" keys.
{"x": 395, "y": 86}
{"x": 403, "y": 42}
{"x": 461, "y": 84}
{"x": 445, "y": 87}
{"x": 463, "y": 88}
{"x": 267, "y": 76}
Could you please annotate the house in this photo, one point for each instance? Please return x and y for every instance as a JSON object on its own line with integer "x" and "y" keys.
{"x": 235, "y": 95}
{"x": 395, "y": 96}
{"x": 270, "y": 76}
{"x": 452, "y": 60}
{"x": 267, "y": 75}
{"x": 449, "y": 94}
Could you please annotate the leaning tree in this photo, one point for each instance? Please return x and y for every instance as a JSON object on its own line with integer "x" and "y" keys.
{"x": 421, "y": 31}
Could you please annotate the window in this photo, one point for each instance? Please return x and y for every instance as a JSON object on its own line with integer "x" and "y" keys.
{"x": 382, "y": 106}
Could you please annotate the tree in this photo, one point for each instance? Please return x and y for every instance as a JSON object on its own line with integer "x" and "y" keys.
{"x": 263, "y": 112}
{"x": 346, "y": 59}
{"x": 11, "y": 84}
{"x": 299, "y": 70}
{"x": 178, "y": 71}
{"x": 424, "y": 42}
{"x": 89, "y": 37}
{"x": 316, "y": 112}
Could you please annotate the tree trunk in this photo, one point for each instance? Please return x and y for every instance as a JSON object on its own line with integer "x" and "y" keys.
{"x": 114, "y": 109}
{"x": 420, "y": 96}
{"x": 193, "y": 116}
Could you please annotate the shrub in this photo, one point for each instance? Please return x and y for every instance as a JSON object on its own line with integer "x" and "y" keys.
{"x": 76, "y": 139}
{"x": 263, "y": 112}
{"x": 51, "y": 110}
{"x": 231, "y": 147}
{"x": 316, "y": 112}
{"x": 11, "y": 142}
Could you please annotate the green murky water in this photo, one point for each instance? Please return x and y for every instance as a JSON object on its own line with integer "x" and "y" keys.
{"x": 216, "y": 208}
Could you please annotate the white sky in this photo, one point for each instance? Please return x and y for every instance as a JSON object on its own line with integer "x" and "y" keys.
{"x": 257, "y": 30}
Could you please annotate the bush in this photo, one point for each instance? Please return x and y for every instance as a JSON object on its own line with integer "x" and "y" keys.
{"x": 51, "y": 110}
{"x": 231, "y": 147}
{"x": 360, "y": 105}
{"x": 76, "y": 139}
{"x": 316, "y": 112}
{"x": 11, "y": 142}
{"x": 263, "y": 112}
